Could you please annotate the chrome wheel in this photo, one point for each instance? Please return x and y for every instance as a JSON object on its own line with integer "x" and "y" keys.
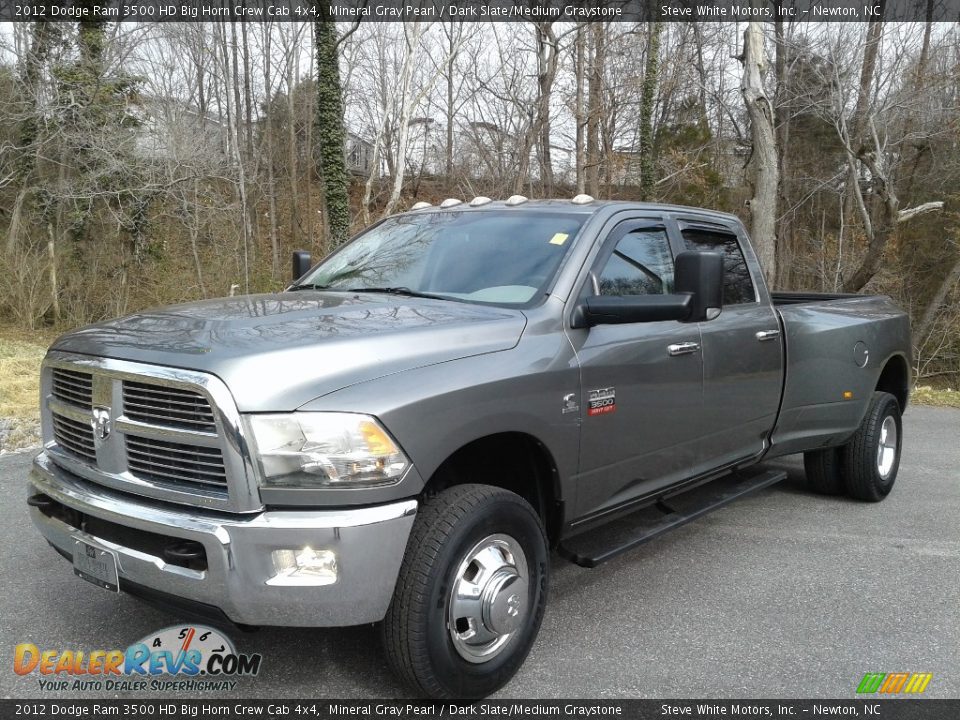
{"x": 887, "y": 448}
{"x": 488, "y": 598}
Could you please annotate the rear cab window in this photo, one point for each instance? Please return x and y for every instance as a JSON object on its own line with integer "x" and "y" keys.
{"x": 738, "y": 286}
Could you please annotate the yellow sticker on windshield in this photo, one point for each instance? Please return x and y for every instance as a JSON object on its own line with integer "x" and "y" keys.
{"x": 559, "y": 239}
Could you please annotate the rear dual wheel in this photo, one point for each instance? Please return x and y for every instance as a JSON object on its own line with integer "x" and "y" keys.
{"x": 470, "y": 595}
{"x": 866, "y": 467}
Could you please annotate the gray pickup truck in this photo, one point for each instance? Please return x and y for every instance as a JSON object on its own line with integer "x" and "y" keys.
{"x": 406, "y": 433}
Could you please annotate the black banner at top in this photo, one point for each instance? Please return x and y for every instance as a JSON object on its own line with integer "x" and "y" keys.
{"x": 479, "y": 10}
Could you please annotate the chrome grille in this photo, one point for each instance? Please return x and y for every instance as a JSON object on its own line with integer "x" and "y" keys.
{"x": 177, "y": 462}
{"x": 75, "y": 437}
{"x": 170, "y": 434}
{"x": 73, "y": 387}
{"x": 167, "y": 406}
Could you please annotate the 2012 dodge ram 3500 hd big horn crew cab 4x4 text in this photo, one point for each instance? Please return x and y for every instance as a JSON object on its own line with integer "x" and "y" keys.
{"x": 403, "y": 435}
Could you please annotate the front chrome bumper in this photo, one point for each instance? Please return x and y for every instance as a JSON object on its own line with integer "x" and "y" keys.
{"x": 369, "y": 544}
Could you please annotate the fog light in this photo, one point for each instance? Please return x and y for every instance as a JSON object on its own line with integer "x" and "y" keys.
{"x": 304, "y": 567}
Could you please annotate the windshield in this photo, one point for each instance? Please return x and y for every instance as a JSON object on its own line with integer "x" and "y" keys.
{"x": 484, "y": 257}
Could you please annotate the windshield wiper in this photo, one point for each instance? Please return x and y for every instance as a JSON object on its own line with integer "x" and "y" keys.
{"x": 405, "y": 291}
{"x": 307, "y": 286}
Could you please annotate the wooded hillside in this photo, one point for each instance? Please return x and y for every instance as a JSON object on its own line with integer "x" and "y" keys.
{"x": 150, "y": 164}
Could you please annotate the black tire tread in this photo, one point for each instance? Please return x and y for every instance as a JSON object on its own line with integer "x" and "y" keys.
{"x": 404, "y": 644}
{"x": 824, "y": 471}
{"x": 860, "y": 476}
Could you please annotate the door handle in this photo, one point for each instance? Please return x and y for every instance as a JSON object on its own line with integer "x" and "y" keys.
{"x": 684, "y": 348}
{"x": 765, "y": 335}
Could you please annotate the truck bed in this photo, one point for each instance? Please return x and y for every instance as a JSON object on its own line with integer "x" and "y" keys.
{"x": 836, "y": 347}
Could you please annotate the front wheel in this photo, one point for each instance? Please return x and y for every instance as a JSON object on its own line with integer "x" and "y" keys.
{"x": 872, "y": 456}
{"x": 470, "y": 595}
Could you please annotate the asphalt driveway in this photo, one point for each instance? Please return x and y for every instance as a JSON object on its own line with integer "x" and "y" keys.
{"x": 782, "y": 594}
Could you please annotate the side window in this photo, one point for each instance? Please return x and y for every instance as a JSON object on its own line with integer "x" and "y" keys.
{"x": 641, "y": 264}
{"x": 737, "y": 285}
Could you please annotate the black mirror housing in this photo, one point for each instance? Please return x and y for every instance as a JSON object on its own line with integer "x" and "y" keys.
{"x": 619, "y": 309}
{"x": 301, "y": 264}
{"x": 700, "y": 275}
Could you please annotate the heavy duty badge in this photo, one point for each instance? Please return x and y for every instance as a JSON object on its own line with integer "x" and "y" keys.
{"x": 602, "y": 401}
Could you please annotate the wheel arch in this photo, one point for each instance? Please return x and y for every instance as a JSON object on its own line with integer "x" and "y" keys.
{"x": 895, "y": 379}
{"x": 513, "y": 460}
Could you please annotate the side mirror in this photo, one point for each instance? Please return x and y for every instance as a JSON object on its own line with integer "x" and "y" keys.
{"x": 301, "y": 263}
{"x": 700, "y": 275}
{"x": 698, "y": 296}
{"x": 618, "y": 309}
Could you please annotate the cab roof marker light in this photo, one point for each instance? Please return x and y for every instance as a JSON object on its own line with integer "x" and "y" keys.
{"x": 451, "y": 202}
{"x": 421, "y": 205}
{"x": 582, "y": 199}
{"x": 480, "y": 200}
{"x": 516, "y": 200}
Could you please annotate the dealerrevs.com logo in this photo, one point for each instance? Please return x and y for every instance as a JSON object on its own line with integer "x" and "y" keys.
{"x": 179, "y": 658}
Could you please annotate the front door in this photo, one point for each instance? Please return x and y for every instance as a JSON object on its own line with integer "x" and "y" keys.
{"x": 641, "y": 382}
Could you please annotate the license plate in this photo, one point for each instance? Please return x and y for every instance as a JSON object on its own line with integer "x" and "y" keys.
{"x": 96, "y": 565}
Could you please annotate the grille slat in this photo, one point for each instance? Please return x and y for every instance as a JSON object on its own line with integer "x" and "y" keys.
{"x": 165, "y": 461}
{"x": 73, "y": 387}
{"x": 168, "y": 407}
{"x": 69, "y": 394}
{"x": 74, "y": 437}
{"x": 139, "y": 409}
{"x": 213, "y": 469}
{"x": 74, "y": 432}
{"x": 174, "y": 397}
{"x": 176, "y": 448}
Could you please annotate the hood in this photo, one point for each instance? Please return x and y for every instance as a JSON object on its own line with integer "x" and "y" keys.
{"x": 276, "y": 352}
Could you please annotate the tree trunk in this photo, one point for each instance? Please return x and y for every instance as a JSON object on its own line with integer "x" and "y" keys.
{"x": 54, "y": 289}
{"x": 268, "y": 131}
{"x": 247, "y": 96}
{"x": 194, "y": 232}
{"x": 294, "y": 176}
{"x": 762, "y": 166}
{"x": 406, "y": 111}
{"x": 647, "y": 100}
{"x": 867, "y": 70}
{"x": 785, "y": 248}
{"x": 233, "y": 124}
{"x": 450, "y": 70}
{"x": 923, "y": 328}
{"x": 330, "y": 132}
{"x": 546, "y": 72}
{"x": 13, "y": 231}
{"x": 578, "y": 111}
{"x": 594, "y": 109}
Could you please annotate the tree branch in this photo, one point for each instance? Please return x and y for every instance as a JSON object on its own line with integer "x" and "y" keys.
{"x": 927, "y": 207}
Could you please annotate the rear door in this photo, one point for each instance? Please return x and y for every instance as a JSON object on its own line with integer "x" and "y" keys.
{"x": 641, "y": 382}
{"x": 742, "y": 351}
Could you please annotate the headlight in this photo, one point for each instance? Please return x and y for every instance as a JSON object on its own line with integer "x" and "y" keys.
{"x": 324, "y": 449}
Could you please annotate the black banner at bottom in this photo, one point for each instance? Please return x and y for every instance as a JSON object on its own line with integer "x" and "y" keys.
{"x": 885, "y": 709}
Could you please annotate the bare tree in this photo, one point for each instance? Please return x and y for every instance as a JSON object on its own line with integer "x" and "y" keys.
{"x": 762, "y": 166}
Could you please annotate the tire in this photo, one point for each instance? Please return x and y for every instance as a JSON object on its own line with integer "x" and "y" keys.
{"x": 467, "y": 533}
{"x": 872, "y": 457}
{"x": 824, "y": 471}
